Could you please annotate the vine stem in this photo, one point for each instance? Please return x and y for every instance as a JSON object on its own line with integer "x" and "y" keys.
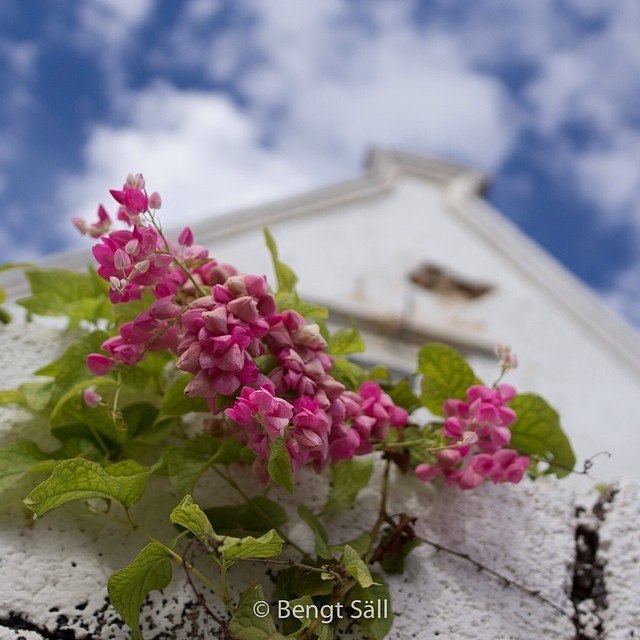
{"x": 177, "y": 260}
{"x": 382, "y": 510}
{"x": 292, "y": 563}
{"x": 495, "y": 574}
{"x": 341, "y": 593}
{"x": 234, "y": 485}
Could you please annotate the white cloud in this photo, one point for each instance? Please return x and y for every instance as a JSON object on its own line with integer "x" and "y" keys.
{"x": 17, "y": 74}
{"x": 344, "y": 86}
{"x": 111, "y": 23}
{"x": 195, "y": 148}
{"x": 108, "y": 28}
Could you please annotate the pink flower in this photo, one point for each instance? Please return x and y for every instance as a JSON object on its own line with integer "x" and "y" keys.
{"x": 100, "y": 364}
{"x": 98, "y": 228}
{"x": 186, "y": 237}
{"x": 155, "y": 201}
{"x": 257, "y": 408}
{"x": 135, "y": 201}
{"x": 91, "y": 398}
{"x": 478, "y": 430}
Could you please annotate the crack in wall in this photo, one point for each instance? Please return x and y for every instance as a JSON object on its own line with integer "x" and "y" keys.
{"x": 589, "y": 590}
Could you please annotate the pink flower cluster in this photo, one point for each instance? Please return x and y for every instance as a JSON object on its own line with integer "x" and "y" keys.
{"x": 219, "y": 322}
{"x": 478, "y": 432}
{"x": 325, "y": 421}
{"x": 222, "y": 335}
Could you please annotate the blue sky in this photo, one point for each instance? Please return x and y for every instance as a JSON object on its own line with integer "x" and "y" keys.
{"x": 224, "y": 104}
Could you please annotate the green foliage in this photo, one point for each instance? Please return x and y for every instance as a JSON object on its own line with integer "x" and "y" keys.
{"x": 349, "y": 373}
{"x": 268, "y": 545}
{"x": 246, "y": 625}
{"x": 445, "y": 374}
{"x": 394, "y": 558}
{"x": 356, "y": 567}
{"x": 291, "y": 300}
{"x": 79, "y": 479}
{"x": 129, "y": 587}
{"x": 296, "y": 582}
{"x": 279, "y": 466}
{"x": 402, "y": 395}
{"x": 537, "y": 432}
{"x": 346, "y": 341}
{"x": 320, "y": 533}
{"x": 70, "y": 368}
{"x": 176, "y": 403}
{"x": 255, "y": 516}
{"x": 286, "y": 296}
{"x": 33, "y": 396}
{"x": 190, "y": 516}
{"x": 21, "y": 458}
{"x": 376, "y": 627}
{"x": 187, "y": 463}
{"x": 285, "y": 276}
{"x": 60, "y": 292}
{"x": 348, "y": 477}
{"x": 5, "y": 316}
{"x": 12, "y": 396}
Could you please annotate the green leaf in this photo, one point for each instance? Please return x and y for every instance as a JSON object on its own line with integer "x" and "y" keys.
{"x": 190, "y": 516}
{"x": 360, "y": 543}
{"x": 60, "y": 292}
{"x": 320, "y": 533}
{"x": 290, "y": 300}
{"x": 21, "y": 458}
{"x": 279, "y": 466}
{"x": 348, "y": 477}
{"x": 141, "y": 420}
{"x": 287, "y": 279}
{"x": 537, "y": 431}
{"x": 80, "y": 479}
{"x": 268, "y": 545}
{"x": 12, "y": 396}
{"x": 296, "y": 582}
{"x": 8, "y": 266}
{"x": 37, "y": 394}
{"x": 256, "y": 516}
{"x": 72, "y": 409}
{"x": 292, "y": 624}
{"x": 34, "y": 395}
{"x": 345, "y": 341}
{"x": 176, "y": 403}
{"x": 375, "y": 627}
{"x": 394, "y": 558}
{"x": 70, "y": 368}
{"x": 356, "y": 567}
{"x": 129, "y": 587}
{"x": 445, "y": 374}
{"x": 402, "y": 395}
{"x": 246, "y": 625}
{"x": 349, "y": 373}
{"x": 187, "y": 463}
